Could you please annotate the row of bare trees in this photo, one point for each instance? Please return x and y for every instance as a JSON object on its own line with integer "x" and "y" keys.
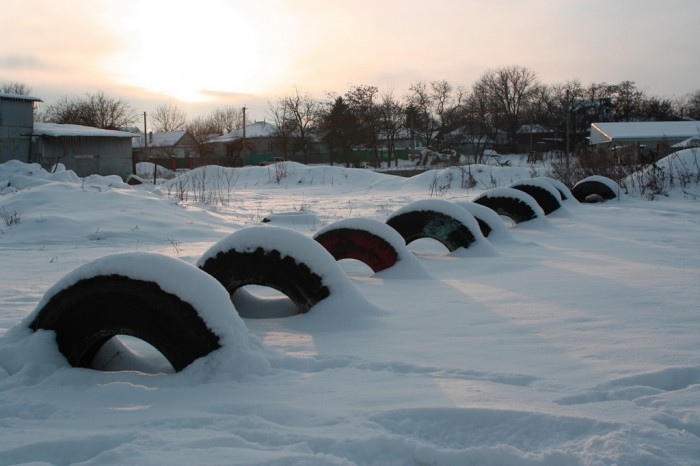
{"x": 501, "y": 100}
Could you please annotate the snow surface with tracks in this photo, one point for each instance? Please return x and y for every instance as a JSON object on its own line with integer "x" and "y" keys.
{"x": 576, "y": 341}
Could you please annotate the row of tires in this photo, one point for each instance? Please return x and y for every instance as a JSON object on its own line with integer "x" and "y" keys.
{"x": 116, "y": 295}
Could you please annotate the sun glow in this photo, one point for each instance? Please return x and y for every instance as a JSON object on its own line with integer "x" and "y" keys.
{"x": 197, "y": 55}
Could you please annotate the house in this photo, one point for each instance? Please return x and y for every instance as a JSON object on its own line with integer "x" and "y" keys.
{"x": 251, "y": 145}
{"x": 649, "y": 138}
{"x": 171, "y": 149}
{"x": 178, "y": 144}
{"x": 83, "y": 149}
{"x": 464, "y": 142}
{"x": 16, "y": 123}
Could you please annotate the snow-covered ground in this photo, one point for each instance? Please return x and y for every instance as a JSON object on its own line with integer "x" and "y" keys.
{"x": 573, "y": 339}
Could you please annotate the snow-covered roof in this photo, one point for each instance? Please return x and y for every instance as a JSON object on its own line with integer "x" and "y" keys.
{"x": 60, "y": 130}
{"x": 161, "y": 139}
{"x": 643, "y": 131}
{"x": 259, "y": 129}
{"x": 6, "y": 96}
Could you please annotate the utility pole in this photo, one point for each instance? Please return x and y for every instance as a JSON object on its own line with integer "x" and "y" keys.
{"x": 568, "y": 123}
{"x": 243, "y": 139}
{"x": 145, "y": 148}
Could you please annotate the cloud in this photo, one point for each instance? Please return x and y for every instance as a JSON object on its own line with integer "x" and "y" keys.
{"x": 23, "y": 62}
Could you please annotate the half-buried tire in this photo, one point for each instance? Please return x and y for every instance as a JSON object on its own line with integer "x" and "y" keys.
{"x": 490, "y": 223}
{"x": 365, "y": 240}
{"x": 95, "y": 303}
{"x": 509, "y": 202}
{"x": 440, "y": 220}
{"x": 272, "y": 257}
{"x": 543, "y": 192}
{"x": 594, "y": 188}
{"x": 564, "y": 191}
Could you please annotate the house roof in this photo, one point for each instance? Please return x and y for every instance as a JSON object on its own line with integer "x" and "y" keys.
{"x": 60, "y": 130}
{"x": 643, "y": 131}
{"x": 161, "y": 139}
{"x": 259, "y": 129}
{"x": 5, "y": 96}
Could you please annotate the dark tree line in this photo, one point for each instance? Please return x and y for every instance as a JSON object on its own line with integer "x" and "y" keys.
{"x": 498, "y": 103}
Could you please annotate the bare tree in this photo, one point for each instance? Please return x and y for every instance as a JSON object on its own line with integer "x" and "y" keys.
{"x": 689, "y": 105}
{"x": 446, "y": 103}
{"x": 420, "y": 102}
{"x": 96, "y": 110}
{"x": 16, "y": 88}
{"x": 202, "y": 132}
{"x": 478, "y": 122}
{"x": 658, "y": 109}
{"x": 392, "y": 117}
{"x": 226, "y": 119}
{"x": 507, "y": 91}
{"x": 297, "y": 116}
{"x": 627, "y": 99}
{"x": 553, "y": 104}
{"x": 284, "y": 134}
{"x": 169, "y": 117}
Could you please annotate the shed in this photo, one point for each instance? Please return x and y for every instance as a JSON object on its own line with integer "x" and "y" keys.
{"x": 16, "y": 120}
{"x": 83, "y": 149}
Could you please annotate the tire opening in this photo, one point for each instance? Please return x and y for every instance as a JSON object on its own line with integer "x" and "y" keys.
{"x": 126, "y": 353}
{"x": 262, "y": 302}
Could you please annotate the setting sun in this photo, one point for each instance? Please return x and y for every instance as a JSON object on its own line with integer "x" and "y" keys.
{"x": 196, "y": 55}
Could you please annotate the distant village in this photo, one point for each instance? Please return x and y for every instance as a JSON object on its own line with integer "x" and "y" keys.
{"x": 390, "y": 135}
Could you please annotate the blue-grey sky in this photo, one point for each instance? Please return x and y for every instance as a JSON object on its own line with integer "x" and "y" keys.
{"x": 207, "y": 53}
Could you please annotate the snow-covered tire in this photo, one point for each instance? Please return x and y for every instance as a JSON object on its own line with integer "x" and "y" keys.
{"x": 349, "y": 239}
{"x": 564, "y": 190}
{"x": 509, "y": 202}
{"x": 489, "y": 222}
{"x": 89, "y": 312}
{"x": 257, "y": 260}
{"x": 442, "y": 221}
{"x": 543, "y": 192}
{"x": 595, "y": 187}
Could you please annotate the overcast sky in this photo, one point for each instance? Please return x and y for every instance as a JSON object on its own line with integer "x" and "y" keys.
{"x": 207, "y": 53}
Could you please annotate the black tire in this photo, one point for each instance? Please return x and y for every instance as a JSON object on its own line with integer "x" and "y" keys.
{"x": 544, "y": 197}
{"x": 90, "y": 312}
{"x": 361, "y": 245}
{"x": 512, "y": 207}
{"x": 235, "y": 269}
{"x": 594, "y": 188}
{"x": 417, "y": 224}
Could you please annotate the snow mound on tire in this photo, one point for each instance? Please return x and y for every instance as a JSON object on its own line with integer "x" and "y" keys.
{"x": 480, "y": 246}
{"x": 344, "y": 308}
{"x": 241, "y": 353}
{"x": 407, "y": 265}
